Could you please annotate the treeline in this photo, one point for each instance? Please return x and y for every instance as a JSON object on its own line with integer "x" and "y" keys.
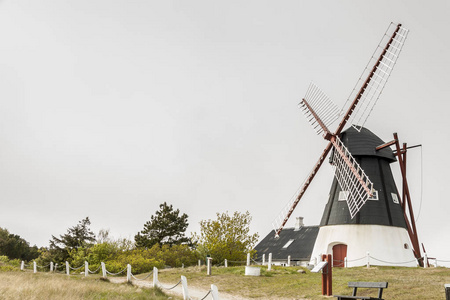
{"x": 15, "y": 247}
{"x": 161, "y": 243}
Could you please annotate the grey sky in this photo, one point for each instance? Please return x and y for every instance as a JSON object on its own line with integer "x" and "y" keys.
{"x": 109, "y": 108}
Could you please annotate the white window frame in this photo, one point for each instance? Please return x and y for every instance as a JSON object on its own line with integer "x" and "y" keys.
{"x": 395, "y": 198}
{"x": 343, "y": 196}
{"x": 288, "y": 244}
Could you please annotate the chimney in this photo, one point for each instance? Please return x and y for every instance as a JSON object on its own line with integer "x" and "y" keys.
{"x": 298, "y": 223}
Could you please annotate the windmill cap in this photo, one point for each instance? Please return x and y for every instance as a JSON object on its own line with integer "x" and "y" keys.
{"x": 364, "y": 142}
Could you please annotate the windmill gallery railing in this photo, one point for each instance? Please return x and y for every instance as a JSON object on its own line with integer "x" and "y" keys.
{"x": 213, "y": 291}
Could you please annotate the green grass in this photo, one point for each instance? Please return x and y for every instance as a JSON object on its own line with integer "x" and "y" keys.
{"x": 26, "y": 285}
{"x": 286, "y": 282}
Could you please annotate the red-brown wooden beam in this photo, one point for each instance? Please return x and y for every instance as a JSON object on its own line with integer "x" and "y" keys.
{"x": 411, "y": 229}
{"x": 365, "y": 84}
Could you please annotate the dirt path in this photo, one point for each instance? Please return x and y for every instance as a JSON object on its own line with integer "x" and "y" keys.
{"x": 194, "y": 292}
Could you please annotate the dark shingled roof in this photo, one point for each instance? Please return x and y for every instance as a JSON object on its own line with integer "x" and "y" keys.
{"x": 300, "y": 249}
{"x": 363, "y": 143}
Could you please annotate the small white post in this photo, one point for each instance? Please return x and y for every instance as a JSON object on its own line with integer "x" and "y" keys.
{"x": 214, "y": 292}
{"x": 51, "y": 266}
{"x": 56, "y": 267}
{"x": 67, "y": 268}
{"x": 86, "y": 269}
{"x": 269, "y": 265}
{"x": 22, "y": 265}
{"x": 264, "y": 260}
{"x": 226, "y": 263}
{"x": 103, "y": 269}
{"x": 208, "y": 268}
{"x": 199, "y": 263}
{"x": 128, "y": 273}
{"x": 345, "y": 262}
{"x": 34, "y": 267}
{"x": 289, "y": 261}
{"x": 248, "y": 259}
{"x": 368, "y": 259}
{"x": 182, "y": 266}
{"x": 155, "y": 277}
{"x": 425, "y": 260}
{"x": 185, "y": 287}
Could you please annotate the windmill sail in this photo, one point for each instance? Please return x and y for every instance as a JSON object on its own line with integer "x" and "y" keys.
{"x": 318, "y": 108}
{"x": 352, "y": 179}
{"x": 378, "y": 70}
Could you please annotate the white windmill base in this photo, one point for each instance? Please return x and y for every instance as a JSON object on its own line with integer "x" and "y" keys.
{"x": 386, "y": 245}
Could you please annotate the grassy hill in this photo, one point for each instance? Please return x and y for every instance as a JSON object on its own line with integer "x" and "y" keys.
{"x": 280, "y": 283}
{"x": 287, "y": 283}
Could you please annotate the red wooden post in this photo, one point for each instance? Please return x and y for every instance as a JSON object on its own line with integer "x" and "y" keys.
{"x": 329, "y": 275}
{"x": 324, "y": 276}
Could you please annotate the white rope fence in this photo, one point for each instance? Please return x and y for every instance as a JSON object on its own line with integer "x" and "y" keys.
{"x": 213, "y": 291}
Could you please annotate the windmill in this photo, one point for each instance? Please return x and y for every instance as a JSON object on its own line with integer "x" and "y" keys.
{"x": 361, "y": 168}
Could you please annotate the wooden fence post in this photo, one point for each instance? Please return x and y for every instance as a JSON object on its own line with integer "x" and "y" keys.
{"x": 67, "y": 268}
{"x": 269, "y": 265}
{"x": 214, "y": 292}
{"x": 155, "y": 277}
{"x": 128, "y": 273}
{"x": 208, "y": 267}
{"x": 86, "y": 269}
{"x": 103, "y": 269}
{"x": 289, "y": 261}
{"x": 51, "y": 266}
{"x": 329, "y": 275}
{"x": 248, "y": 259}
{"x": 324, "y": 276}
{"x": 22, "y": 265}
{"x": 264, "y": 259}
{"x": 185, "y": 288}
{"x": 226, "y": 263}
{"x": 34, "y": 267}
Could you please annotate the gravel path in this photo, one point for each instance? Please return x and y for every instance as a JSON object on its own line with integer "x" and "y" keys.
{"x": 194, "y": 293}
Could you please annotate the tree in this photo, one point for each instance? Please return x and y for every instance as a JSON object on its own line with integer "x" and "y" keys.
{"x": 228, "y": 237}
{"x": 167, "y": 226}
{"x": 13, "y": 246}
{"x": 79, "y": 236}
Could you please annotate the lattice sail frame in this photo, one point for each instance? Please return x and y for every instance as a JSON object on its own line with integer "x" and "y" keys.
{"x": 351, "y": 177}
{"x": 378, "y": 81}
{"x": 318, "y": 103}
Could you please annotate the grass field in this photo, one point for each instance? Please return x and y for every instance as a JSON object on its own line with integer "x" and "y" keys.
{"x": 26, "y": 285}
{"x": 287, "y": 283}
{"x": 280, "y": 283}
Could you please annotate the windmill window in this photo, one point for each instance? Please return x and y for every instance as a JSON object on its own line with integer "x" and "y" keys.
{"x": 288, "y": 244}
{"x": 374, "y": 196}
{"x": 343, "y": 195}
{"x": 395, "y": 198}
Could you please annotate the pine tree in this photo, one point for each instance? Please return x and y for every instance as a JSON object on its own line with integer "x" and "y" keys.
{"x": 167, "y": 226}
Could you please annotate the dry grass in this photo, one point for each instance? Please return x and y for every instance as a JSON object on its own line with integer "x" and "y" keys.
{"x": 280, "y": 283}
{"x": 26, "y": 285}
{"x": 287, "y": 283}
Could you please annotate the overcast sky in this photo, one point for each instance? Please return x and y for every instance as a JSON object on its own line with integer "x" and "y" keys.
{"x": 109, "y": 108}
